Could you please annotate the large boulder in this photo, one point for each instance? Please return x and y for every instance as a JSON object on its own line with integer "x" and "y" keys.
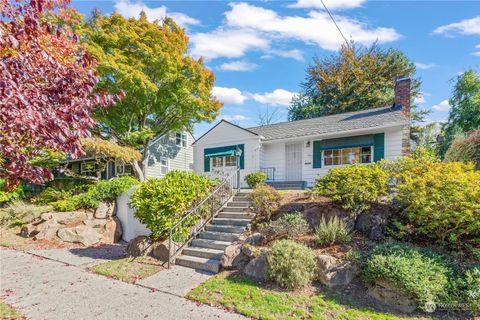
{"x": 72, "y": 217}
{"x": 372, "y": 225}
{"x": 111, "y": 230}
{"x": 140, "y": 246}
{"x": 234, "y": 257}
{"x": 47, "y": 230}
{"x": 105, "y": 210}
{"x": 257, "y": 268}
{"x": 161, "y": 250}
{"x": 28, "y": 230}
{"x": 389, "y": 294}
{"x": 83, "y": 234}
{"x": 255, "y": 239}
{"x": 332, "y": 273}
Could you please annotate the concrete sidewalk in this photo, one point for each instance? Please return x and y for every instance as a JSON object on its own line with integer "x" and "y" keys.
{"x": 47, "y": 289}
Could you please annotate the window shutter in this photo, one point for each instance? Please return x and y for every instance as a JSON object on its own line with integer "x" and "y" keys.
{"x": 379, "y": 147}
{"x": 317, "y": 154}
{"x": 206, "y": 163}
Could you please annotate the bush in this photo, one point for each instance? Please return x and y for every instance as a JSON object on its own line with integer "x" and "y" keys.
{"x": 161, "y": 203}
{"x": 255, "y": 178}
{"x": 104, "y": 190}
{"x": 465, "y": 149}
{"x": 418, "y": 273}
{"x": 50, "y": 195}
{"x": 291, "y": 265}
{"x": 288, "y": 226}
{"x": 331, "y": 232}
{"x": 472, "y": 288}
{"x": 7, "y": 196}
{"x": 355, "y": 186}
{"x": 442, "y": 200}
{"x": 264, "y": 200}
{"x": 73, "y": 184}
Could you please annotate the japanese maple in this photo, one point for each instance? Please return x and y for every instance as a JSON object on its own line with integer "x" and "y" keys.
{"x": 47, "y": 85}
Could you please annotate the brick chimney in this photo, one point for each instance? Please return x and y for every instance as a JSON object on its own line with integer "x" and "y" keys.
{"x": 403, "y": 99}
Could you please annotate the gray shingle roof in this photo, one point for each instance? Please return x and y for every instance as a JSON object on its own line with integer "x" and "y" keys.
{"x": 371, "y": 118}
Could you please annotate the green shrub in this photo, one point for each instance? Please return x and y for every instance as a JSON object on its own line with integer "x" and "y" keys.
{"x": 333, "y": 231}
{"x": 291, "y": 265}
{"x": 50, "y": 195}
{"x": 73, "y": 184}
{"x": 7, "y": 196}
{"x": 442, "y": 200}
{"x": 355, "y": 186}
{"x": 288, "y": 226}
{"x": 465, "y": 149}
{"x": 472, "y": 288}
{"x": 418, "y": 273}
{"x": 264, "y": 200}
{"x": 255, "y": 178}
{"x": 161, "y": 203}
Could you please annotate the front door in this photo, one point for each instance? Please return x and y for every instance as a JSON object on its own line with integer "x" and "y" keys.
{"x": 293, "y": 161}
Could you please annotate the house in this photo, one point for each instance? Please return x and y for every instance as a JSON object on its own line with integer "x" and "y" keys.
{"x": 293, "y": 154}
{"x": 165, "y": 153}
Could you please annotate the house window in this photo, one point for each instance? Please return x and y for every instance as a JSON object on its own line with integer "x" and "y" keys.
{"x": 217, "y": 162}
{"x": 163, "y": 166}
{"x": 88, "y": 169}
{"x": 230, "y": 161}
{"x": 224, "y": 162}
{"x": 181, "y": 139}
{"x": 337, "y": 157}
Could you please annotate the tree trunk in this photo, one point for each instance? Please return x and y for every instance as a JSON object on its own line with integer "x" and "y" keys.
{"x": 138, "y": 171}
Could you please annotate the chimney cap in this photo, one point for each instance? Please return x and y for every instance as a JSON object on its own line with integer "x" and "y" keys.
{"x": 402, "y": 78}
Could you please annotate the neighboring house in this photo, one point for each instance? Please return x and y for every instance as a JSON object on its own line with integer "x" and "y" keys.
{"x": 165, "y": 153}
{"x": 294, "y": 154}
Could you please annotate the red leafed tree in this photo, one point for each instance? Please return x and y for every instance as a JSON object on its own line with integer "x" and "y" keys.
{"x": 46, "y": 88}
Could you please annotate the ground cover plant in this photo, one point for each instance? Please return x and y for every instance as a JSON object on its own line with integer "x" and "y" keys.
{"x": 288, "y": 226}
{"x": 333, "y": 231}
{"x": 129, "y": 269}
{"x": 7, "y": 312}
{"x": 254, "y": 178}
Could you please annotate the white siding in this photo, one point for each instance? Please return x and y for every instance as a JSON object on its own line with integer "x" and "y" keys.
{"x": 179, "y": 158}
{"x": 393, "y": 144}
{"x": 226, "y": 134}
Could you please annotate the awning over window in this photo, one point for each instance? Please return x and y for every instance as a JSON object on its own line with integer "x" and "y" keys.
{"x": 348, "y": 142}
{"x": 221, "y": 154}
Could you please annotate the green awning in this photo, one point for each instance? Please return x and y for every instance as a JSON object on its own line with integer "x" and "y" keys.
{"x": 221, "y": 154}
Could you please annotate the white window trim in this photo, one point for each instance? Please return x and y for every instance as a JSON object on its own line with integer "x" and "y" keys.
{"x": 183, "y": 139}
{"x": 224, "y": 162}
{"x": 164, "y": 166}
{"x": 82, "y": 171}
{"x": 348, "y": 164}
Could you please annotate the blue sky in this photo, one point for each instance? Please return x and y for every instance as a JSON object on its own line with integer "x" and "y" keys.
{"x": 259, "y": 50}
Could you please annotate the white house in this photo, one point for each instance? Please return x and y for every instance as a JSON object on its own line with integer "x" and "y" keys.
{"x": 293, "y": 154}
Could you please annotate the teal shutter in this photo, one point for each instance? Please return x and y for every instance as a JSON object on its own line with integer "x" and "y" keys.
{"x": 378, "y": 147}
{"x": 317, "y": 154}
{"x": 212, "y": 151}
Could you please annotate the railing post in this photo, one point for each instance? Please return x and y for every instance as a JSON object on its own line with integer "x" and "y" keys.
{"x": 169, "y": 247}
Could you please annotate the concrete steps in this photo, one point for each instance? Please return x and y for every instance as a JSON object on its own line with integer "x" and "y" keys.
{"x": 206, "y": 251}
{"x": 287, "y": 185}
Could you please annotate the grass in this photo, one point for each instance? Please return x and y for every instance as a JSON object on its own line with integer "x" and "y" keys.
{"x": 7, "y": 312}
{"x": 129, "y": 269}
{"x": 240, "y": 294}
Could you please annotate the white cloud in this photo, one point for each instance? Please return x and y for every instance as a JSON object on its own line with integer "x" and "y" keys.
{"x": 443, "y": 106}
{"x": 294, "y": 54}
{"x": 230, "y": 43}
{"x": 229, "y": 95}
{"x": 331, "y": 4}
{"x": 276, "y": 97}
{"x": 467, "y": 26}
{"x": 239, "y": 65}
{"x": 232, "y": 118}
{"x": 476, "y": 53}
{"x": 316, "y": 28}
{"x": 424, "y": 66}
{"x": 131, "y": 9}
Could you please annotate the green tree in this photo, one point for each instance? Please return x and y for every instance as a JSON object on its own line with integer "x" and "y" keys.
{"x": 165, "y": 89}
{"x": 355, "y": 78}
{"x": 464, "y": 115}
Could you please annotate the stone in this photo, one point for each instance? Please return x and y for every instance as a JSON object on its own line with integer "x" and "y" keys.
{"x": 28, "y": 230}
{"x": 389, "y": 294}
{"x": 47, "y": 230}
{"x": 97, "y": 223}
{"x": 105, "y": 210}
{"x": 71, "y": 217}
{"x": 46, "y": 216}
{"x": 255, "y": 239}
{"x": 333, "y": 274}
{"x": 161, "y": 251}
{"x": 257, "y": 268}
{"x": 234, "y": 257}
{"x": 372, "y": 225}
{"x": 111, "y": 231}
{"x": 83, "y": 234}
{"x": 140, "y": 246}
{"x": 250, "y": 251}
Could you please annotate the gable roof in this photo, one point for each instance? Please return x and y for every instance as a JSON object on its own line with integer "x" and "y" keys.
{"x": 364, "y": 119}
{"x": 228, "y": 122}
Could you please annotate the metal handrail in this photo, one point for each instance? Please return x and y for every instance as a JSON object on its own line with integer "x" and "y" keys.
{"x": 214, "y": 202}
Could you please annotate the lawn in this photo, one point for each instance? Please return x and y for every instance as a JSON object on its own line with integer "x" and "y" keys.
{"x": 242, "y": 295}
{"x": 129, "y": 269}
{"x": 7, "y": 312}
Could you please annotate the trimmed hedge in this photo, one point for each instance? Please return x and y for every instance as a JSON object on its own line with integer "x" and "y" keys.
{"x": 254, "y": 178}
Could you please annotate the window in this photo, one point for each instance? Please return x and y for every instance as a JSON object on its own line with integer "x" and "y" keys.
{"x": 217, "y": 162}
{"x": 163, "y": 166}
{"x": 181, "y": 139}
{"x": 347, "y": 156}
{"x": 88, "y": 169}
{"x": 230, "y": 161}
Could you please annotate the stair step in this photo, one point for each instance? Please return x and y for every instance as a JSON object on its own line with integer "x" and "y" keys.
{"x": 205, "y": 253}
{"x": 225, "y": 228}
{"x": 231, "y": 222}
{"x": 211, "y": 244}
{"x": 242, "y": 204}
{"x": 220, "y": 236}
{"x": 235, "y": 209}
{"x": 212, "y": 265}
{"x": 235, "y": 215}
